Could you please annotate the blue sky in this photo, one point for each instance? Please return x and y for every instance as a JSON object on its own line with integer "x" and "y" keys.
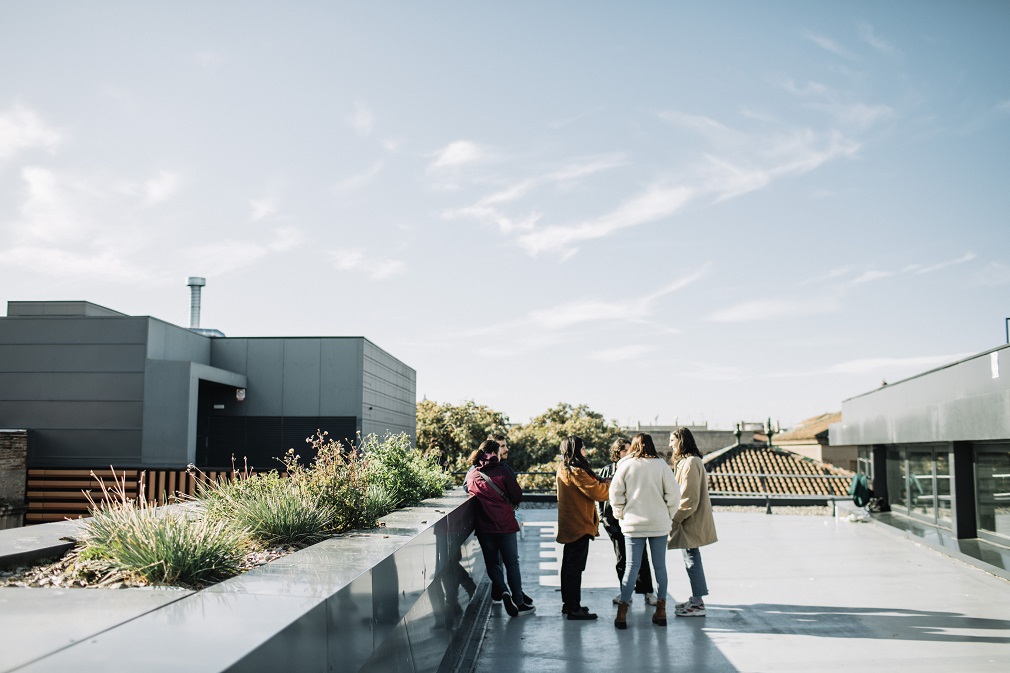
{"x": 669, "y": 211}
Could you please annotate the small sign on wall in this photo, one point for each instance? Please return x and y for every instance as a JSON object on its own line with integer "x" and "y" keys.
{"x": 994, "y": 363}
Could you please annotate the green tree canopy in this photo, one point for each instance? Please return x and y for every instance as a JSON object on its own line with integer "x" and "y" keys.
{"x": 538, "y": 442}
{"x": 456, "y": 430}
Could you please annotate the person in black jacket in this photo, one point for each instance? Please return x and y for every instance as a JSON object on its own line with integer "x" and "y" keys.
{"x": 643, "y": 584}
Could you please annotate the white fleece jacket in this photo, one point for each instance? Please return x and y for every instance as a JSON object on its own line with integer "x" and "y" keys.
{"x": 645, "y": 496}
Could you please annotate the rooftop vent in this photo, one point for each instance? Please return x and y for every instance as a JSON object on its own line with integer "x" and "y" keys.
{"x": 196, "y": 284}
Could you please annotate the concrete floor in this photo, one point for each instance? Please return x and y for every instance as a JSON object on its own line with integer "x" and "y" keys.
{"x": 789, "y": 593}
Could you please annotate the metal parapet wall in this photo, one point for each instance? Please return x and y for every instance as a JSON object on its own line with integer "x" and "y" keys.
{"x": 402, "y": 598}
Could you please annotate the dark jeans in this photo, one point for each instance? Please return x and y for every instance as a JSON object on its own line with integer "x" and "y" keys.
{"x": 643, "y": 583}
{"x": 504, "y": 544}
{"x": 573, "y": 562}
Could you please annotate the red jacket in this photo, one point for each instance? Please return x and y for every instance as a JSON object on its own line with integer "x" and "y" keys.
{"x": 494, "y": 514}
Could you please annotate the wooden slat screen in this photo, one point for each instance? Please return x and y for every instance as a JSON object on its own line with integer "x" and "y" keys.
{"x": 58, "y": 494}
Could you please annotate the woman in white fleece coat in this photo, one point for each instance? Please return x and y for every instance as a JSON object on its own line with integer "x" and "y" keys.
{"x": 645, "y": 496}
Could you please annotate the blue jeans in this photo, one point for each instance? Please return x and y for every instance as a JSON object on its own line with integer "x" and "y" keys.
{"x": 695, "y": 572}
{"x": 505, "y": 544}
{"x": 634, "y": 549}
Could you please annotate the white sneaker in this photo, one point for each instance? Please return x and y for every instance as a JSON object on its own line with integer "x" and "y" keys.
{"x": 681, "y": 606}
{"x": 651, "y": 599}
{"x": 617, "y": 599}
{"x": 691, "y": 611}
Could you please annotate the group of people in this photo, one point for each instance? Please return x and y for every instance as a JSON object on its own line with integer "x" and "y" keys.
{"x": 644, "y": 504}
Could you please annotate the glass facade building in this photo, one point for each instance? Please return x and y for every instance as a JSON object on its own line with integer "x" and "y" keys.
{"x": 936, "y": 446}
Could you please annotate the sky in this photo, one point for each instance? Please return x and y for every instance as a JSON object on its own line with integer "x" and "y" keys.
{"x": 672, "y": 212}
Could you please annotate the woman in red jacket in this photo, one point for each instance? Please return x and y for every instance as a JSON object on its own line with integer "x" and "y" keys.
{"x": 498, "y": 494}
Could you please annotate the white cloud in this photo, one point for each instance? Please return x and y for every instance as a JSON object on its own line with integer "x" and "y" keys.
{"x": 376, "y": 268}
{"x": 992, "y": 274}
{"x": 585, "y": 167}
{"x": 870, "y": 276}
{"x": 655, "y": 203}
{"x": 966, "y": 257}
{"x": 771, "y": 309}
{"x": 229, "y": 255}
{"x": 705, "y": 126}
{"x": 899, "y": 366}
{"x": 358, "y": 181}
{"x": 860, "y": 115}
{"x": 457, "y": 153}
{"x": 262, "y": 208}
{"x": 623, "y": 353}
{"x": 828, "y": 44}
{"x": 162, "y": 186}
{"x": 69, "y": 264}
{"x": 362, "y": 121}
{"x": 488, "y": 215}
{"x": 487, "y": 210}
{"x": 917, "y": 269}
{"x": 49, "y": 213}
{"x": 867, "y": 35}
{"x": 839, "y": 104}
{"x": 22, "y": 129}
{"x": 715, "y": 372}
{"x": 587, "y": 311}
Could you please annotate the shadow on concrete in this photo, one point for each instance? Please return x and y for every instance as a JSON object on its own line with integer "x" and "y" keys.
{"x": 837, "y": 622}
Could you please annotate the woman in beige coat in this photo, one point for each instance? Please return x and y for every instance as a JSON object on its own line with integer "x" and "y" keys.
{"x": 693, "y": 525}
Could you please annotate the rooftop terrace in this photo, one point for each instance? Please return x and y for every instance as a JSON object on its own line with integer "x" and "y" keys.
{"x": 789, "y": 593}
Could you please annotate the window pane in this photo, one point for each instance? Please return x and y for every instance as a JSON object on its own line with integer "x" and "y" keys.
{"x": 992, "y": 469}
{"x": 896, "y": 481}
{"x": 920, "y": 483}
{"x": 943, "y": 510}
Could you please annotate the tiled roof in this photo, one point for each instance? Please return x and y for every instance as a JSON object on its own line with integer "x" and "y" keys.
{"x": 810, "y": 428}
{"x": 740, "y": 469}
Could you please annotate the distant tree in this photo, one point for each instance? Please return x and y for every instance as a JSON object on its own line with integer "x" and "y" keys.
{"x": 456, "y": 430}
{"x": 536, "y": 443}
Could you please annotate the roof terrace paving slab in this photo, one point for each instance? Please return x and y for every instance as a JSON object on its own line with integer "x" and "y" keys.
{"x": 788, "y": 593}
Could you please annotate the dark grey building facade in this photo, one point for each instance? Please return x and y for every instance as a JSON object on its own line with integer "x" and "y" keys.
{"x": 95, "y": 387}
{"x": 937, "y": 445}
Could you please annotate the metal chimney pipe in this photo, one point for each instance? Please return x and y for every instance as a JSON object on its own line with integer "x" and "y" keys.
{"x": 195, "y": 283}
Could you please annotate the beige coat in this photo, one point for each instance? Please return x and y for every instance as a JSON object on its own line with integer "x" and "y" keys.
{"x": 693, "y": 525}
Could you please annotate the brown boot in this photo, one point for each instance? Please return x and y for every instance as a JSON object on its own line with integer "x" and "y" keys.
{"x": 621, "y": 621}
{"x": 659, "y": 619}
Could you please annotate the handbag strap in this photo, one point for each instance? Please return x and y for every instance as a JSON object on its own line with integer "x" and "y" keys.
{"x": 495, "y": 487}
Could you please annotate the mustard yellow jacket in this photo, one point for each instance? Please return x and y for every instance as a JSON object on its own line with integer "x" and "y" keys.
{"x": 578, "y": 493}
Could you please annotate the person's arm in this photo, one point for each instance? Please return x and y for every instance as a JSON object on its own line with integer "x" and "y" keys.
{"x": 617, "y": 493}
{"x": 591, "y": 486}
{"x": 511, "y": 487}
{"x": 690, "y": 489}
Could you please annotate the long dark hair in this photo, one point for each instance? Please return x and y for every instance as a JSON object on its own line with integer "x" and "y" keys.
{"x": 684, "y": 444}
{"x": 571, "y": 455}
{"x": 642, "y": 446}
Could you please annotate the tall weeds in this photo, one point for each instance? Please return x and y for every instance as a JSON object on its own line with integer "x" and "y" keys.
{"x": 344, "y": 487}
{"x": 144, "y": 542}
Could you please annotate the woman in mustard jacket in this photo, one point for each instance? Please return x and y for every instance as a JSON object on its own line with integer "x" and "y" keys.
{"x": 579, "y": 489}
{"x": 693, "y": 525}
